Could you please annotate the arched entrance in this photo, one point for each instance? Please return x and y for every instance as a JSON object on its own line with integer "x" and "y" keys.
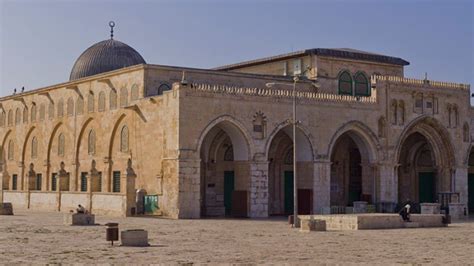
{"x": 426, "y": 159}
{"x": 224, "y": 171}
{"x": 352, "y": 177}
{"x": 280, "y": 173}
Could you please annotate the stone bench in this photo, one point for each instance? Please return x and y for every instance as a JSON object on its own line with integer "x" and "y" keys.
{"x": 308, "y": 225}
{"x": 6, "y": 208}
{"x": 134, "y": 238}
{"x": 79, "y": 219}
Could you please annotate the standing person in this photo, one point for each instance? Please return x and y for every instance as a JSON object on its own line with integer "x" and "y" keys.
{"x": 405, "y": 212}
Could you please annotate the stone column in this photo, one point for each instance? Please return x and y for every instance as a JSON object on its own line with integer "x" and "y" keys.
{"x": 127, "y": 187}
{"x": 45, "y": 184}
{"x": 93, "y": 184}
{"x": 1, "y": 184}
{"x": 461, "y": 183}
{"x": 107, "y": 175}
{"x": 30, "y": 179}
{"x": 258, "y": 194}
{"x": 74, "y": 177}
{"x": 189, "y": 188}
{"x": 388, "y": 183}
{"x": 321, "y": 186}
{"x": 62, "y": 183}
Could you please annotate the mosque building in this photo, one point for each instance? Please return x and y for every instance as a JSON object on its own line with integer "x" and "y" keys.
{"x": 125, "y": 137}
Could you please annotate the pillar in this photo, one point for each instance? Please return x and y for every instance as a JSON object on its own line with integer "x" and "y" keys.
{"x": 127, "y": 186}
{"x": 387, "y": 183}
{"x": 45, "y": 184}
{"x": 74, "y": 177}
{"x": 321, "y": 186}
{"x": 461, "y": 183}
{"x": 107, "y": 175}
{"x": 258, "y": 194}
{"x": 188, "y": 188}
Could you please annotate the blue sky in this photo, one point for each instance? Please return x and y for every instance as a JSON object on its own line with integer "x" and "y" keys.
{"x": 40, "y": 40}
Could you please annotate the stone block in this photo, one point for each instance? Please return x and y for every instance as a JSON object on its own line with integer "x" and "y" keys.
{"x": 134, "y": 238}
{"x": 79, "y": 219}
{"x": 430, "y": 208}
{"x": 458, "y": 211}
{"x": 6, "y": 208}
{"x": 360, "y": 206}
{"x": 308, "y": 225}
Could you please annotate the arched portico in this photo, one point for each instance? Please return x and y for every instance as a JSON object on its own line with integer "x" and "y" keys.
{"x": 352, "y": 154}
{"x": 426, "y": 162}
{"x": 225, "y": 170}
{"x": 280, "y": 171}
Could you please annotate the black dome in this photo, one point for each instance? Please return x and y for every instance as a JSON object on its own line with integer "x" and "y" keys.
{"x": 105, "y": 56}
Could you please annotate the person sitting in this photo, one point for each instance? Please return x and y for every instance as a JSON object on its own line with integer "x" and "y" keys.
{"x": 80, "y": 209}
{"x": 405, "y": 213}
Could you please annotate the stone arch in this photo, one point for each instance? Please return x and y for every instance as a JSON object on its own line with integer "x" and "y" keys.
{"x": 363, "y": 136}
{"x": 114, "y": 133}
{"x": 352, "y": 151}
{"x": 81, "y": 135}
{"x": 51, "y": 140}
{"x": 25, "y": 143}
{"x": 420, "y": 182}
{"x": 304, "y": 141}
{"x": 434, "y": 131}
{"x": 241, "y": 140}
{"x": 3, "y": 148}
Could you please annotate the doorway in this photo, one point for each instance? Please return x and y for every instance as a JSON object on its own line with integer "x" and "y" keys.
{"x": 426, "y": 187}
{"x": 228, "y": 191}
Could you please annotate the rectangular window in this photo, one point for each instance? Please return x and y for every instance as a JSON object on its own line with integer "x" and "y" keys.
{"x": 100, "y": 181}
{"x": 14, "y": 182}
{"x": 39, "y": 179}
{"x": 54, "y": 181}
{"x": 116, "y": 181}
{"x": 84, "y": 181}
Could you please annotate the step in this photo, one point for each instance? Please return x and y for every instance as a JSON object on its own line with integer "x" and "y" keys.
{"x": 411, "y": 225}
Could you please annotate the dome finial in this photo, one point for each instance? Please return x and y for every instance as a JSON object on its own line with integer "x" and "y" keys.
{"x": 112, "y": 25}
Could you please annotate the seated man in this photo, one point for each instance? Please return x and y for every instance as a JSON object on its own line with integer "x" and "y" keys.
{"x": 405, "y": 213}
{"x": 80, "y": 209}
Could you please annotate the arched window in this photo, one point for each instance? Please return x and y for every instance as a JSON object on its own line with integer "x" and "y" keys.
{"x": 10, "y": 118}
{"x": 42, "y": 112}
{"x": 124, "y": 139}
{"x": 163, "y": 87}
{"x": 34, "y": 147}
{"x": 229, "y": 154}
{"x": 345, "y": 83}
{"x": 123, "y": 97}
{"x": 61, "y": 144}
{"x": 101, "y": 101}
{"x": 33, "y": 113}
{"x": 25, "y": 115}
{"x": 2, "y": 119}
{"x": 113, "y": 100}
{"x": 60, "y": 108}
{"x": 80, "y": 106}
{"x": 11, "y": 150}
{"x": 91, "y": 142}
{"x": 70, "y": 107}
{"x": 134, "y": 92}
{"x": 361, "y": 85}
{"x": 17, "y": 116}
{"x": 51, "y": 111}
{"x": 90, "y": 103}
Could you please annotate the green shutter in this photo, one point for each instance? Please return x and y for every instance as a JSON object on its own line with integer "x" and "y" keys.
{"x": 39, "y": 178}
{"x": 116, "y": 181}
{"x": 54, "y": 181}
{"x": 84, "y": 181}
{"x": 15, "y": 182}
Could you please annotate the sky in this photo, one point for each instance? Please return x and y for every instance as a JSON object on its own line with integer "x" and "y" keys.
{"x": 41, "y": 39}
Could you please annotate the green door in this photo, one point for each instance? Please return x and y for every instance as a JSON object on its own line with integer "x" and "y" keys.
{"x": 228, "y": 189}
{"x": 151, "y": 203}
{"x": 426, "y": 187}
{"x": 289, "y": 192}
{"x": 470, "y": 192}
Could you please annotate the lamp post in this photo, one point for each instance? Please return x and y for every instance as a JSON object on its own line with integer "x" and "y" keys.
{"x": 296, "y": 78}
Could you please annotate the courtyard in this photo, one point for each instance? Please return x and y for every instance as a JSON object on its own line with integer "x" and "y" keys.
{"x": 41, "y": 237}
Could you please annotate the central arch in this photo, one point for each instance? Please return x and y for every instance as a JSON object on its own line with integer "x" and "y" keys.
{"x": 225, "y": 169}
{"x": 353, "y": 150}
{"x": 280, "y": 171}
{"x": 426, "y": 159}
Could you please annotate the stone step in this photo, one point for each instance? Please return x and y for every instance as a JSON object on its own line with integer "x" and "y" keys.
{"x": 411, "y": 225}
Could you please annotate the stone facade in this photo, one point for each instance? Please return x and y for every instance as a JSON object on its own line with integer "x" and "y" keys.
{"x": 215, "y": 142}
